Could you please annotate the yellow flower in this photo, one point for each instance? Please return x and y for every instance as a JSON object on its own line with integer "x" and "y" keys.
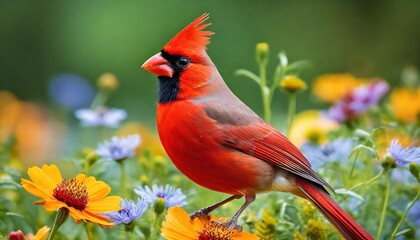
{"x": 332, "y": 87}
{"x": 311, "y": 126}
{"x": 261, "y": 51}
{"x": 316, "y": 229}
{"x": 178, "y": 225}
{"x": 82, "y": 196}
{"x": 42, "y": 234}
{"x": 266, "y": 227}
{"x": 292, "y": 84}
{"x": 108, "y": 81}
{"x": 405, "y": 104}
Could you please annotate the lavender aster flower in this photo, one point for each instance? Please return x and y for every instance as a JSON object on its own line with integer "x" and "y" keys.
{"x": 403, "y": 156}
{"x": 358, "y": 101}
{"x": 119, "y": 148}
{"x": 337, "y": 150}
{"x": 130, "y": 211}
{"x": 101, "y": 116}
{"x": 169, "y": 194}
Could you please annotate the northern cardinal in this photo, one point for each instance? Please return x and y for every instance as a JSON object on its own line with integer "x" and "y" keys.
{"x": 220, "y": 143}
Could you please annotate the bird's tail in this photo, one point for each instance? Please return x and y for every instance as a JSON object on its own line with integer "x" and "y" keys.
{"x": 345, "y": 224}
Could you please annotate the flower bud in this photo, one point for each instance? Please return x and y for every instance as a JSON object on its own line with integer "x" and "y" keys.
{"x": 144, "y": 179}
{"x": 16, "y": 235}
{"x": 262, "y": 51}
{"x": 292, "y": 83}
{"x": 159, "y": 206}
{"x": 108, "y": 82}
{"x": 90, "y": 155}
{"x": 388, "y": 162}
{"x": 415, "y": 170}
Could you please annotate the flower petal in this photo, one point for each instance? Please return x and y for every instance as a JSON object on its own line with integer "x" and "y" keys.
{"x": 53, "y": 172}
{"x": 107, "y": 204}
{"x": 40, "y": 178}
{"x": 35, "y": 189}
{"x": 178, "y": 225}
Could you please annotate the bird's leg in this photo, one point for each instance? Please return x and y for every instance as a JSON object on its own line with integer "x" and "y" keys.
{"x": 206, "y": 210}
{"x": 232, "y": 223}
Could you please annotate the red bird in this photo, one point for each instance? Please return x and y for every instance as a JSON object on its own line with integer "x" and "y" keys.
{"x": 220, "y": 143}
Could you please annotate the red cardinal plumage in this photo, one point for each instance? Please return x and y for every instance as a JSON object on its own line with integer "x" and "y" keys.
{"x": 219, "y": 143}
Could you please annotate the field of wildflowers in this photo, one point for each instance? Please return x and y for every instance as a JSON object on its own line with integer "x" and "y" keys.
{"x": 365, "y": 143}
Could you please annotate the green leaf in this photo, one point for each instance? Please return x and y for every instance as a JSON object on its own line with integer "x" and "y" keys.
{"x": 350, "y": 193}
{"x": 249, "y": 74}
{"x": 402, "y": 232}
{"x": 8, "y": 183}
{"x": 361, "y": 146}
{"x": 296, "y": 66}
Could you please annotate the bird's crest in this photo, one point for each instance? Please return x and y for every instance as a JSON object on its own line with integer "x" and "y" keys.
{"x": 192, "y": 39}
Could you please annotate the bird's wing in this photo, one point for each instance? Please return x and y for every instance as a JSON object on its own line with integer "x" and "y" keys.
{"x": 251, "y": 135}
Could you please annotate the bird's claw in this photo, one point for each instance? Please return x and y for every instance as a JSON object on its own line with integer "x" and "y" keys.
{"x": 231, "y": 225}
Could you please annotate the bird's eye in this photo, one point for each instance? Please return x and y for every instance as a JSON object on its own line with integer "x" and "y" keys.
{"x": 183, "y": 62}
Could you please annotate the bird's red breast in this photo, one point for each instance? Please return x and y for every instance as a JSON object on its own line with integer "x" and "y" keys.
{"x": 218, "y": 142}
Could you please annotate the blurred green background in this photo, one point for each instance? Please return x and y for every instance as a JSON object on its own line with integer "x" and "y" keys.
{"x": 40, "y": 39}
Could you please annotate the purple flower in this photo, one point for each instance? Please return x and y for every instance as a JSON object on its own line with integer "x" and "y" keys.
{"x": 171, "y": 195}
{"x": 70, "y": 91}
{"x": 358, "y": 101}
{"x": 336, "y": 150}
{"x": 130, "y": 211}
{"x": 119, "y": 148}
{"x": 101, "y": 116}
{"x": 403, "y": 156}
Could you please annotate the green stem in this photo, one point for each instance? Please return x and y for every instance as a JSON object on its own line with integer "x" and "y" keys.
{"x": 100, "y": 99}
{"x": 394, "y": 234}
{"x": 61, "y": 217}
{"x": 131, "y": 235}
{"x": 123, "y": 179}
{"x": 86, "y": 166}
{"x": 292, "y": 112}
{"x": 384, "y": 207}
{"x": 372, "y": 180}
{"x": 265, "y": 93}
{"x": 89, "y": 231}
{"x": 155, "y": 230}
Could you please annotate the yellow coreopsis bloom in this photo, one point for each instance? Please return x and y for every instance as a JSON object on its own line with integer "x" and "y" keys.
{"x": 178, "y": 225}
{"x": 292, "y": 84}
{"x": 405, "y": 104}
{"x": 333, "y": 87}
{"x": 311, "y": 126}
{"x": 83, "y": 197}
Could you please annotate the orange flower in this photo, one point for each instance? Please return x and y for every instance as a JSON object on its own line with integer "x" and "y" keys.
{"x": 332, "y": 87}
{"x": 37, "y": 134}
{"x": 83, "y": 197}
{"x": 178, "y": 225}
{"x": 405, "y": 104}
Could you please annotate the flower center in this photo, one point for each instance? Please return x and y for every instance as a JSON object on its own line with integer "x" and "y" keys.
{"x": 73, "y": 193}
{"x": 215, "y": 231}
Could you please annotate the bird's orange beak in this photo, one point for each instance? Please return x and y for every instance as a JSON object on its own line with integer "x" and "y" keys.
{"x": 158, "y": 66}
